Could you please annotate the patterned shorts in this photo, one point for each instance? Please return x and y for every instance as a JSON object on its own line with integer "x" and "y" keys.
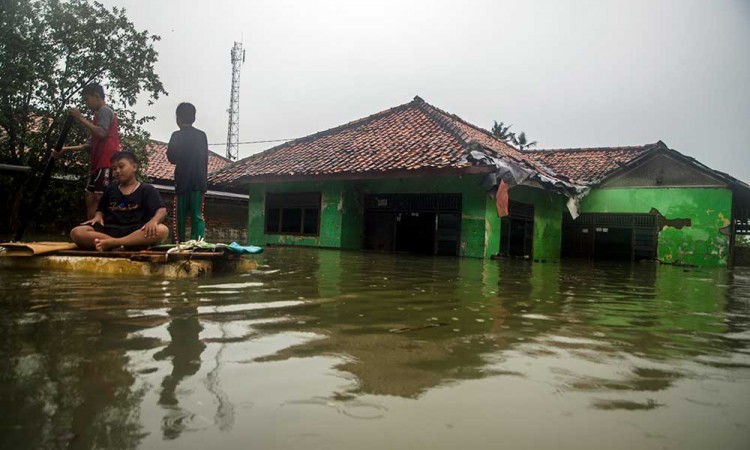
{"x": 98, "y": 181}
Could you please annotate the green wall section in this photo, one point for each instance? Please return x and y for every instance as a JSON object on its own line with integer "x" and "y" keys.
{"x": 342, "y": 212}
{"x": 352, "y": 217}
{"x": 330, "y": 215}
{"x": 708, "y": 209}
{"x": 342, "y": 215}
{"x": 548, "y": 210}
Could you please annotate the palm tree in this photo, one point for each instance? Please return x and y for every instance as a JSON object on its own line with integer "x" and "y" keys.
{"x": 522, "y": 142}
{"x": 502, "y": 132}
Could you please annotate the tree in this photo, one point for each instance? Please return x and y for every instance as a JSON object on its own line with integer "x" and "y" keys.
{"x": 502, "y": 132}
{"x": 49, "y": 50}
{"x": 522, "y": 142}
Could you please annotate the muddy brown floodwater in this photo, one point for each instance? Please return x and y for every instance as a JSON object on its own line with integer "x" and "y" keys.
{"x": 348, "y": 350}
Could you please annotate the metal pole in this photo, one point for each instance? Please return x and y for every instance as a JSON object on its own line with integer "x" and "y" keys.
{"x": 44, "y": 181}
{"x": 233, "y": 128}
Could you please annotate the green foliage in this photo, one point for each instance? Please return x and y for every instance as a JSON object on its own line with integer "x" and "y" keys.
{"x": 502, "y": 132}
{"x": 51, "y": 49}
{"x": 522, "y": 142}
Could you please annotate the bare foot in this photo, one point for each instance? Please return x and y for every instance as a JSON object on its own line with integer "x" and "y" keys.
{"x": 102, "y": 245}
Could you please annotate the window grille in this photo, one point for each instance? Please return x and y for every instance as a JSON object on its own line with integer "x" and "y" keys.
{"x": 742, "y": 226}
{"x": 293, "y": 213}
{"x": 414, "y": 202}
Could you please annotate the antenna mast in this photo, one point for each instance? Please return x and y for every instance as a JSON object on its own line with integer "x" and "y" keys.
{"x": 233, "y": 129}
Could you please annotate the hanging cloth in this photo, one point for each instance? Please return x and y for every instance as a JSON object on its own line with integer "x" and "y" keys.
{"x": 501, "y": 199}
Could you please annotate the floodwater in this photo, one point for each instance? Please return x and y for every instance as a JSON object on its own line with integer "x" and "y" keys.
{"x": 348, "y": 350}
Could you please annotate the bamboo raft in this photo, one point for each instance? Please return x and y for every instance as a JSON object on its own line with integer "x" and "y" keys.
{"x": 150, "y": 262}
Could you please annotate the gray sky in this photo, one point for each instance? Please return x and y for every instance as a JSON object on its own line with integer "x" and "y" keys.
{"x": 568, "y": 73}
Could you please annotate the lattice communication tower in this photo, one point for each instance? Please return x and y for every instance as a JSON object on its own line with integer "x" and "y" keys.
{"x": 233, "y": 129}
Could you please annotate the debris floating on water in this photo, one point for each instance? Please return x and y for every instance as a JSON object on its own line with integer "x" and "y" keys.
{"x": 405, "y": 329}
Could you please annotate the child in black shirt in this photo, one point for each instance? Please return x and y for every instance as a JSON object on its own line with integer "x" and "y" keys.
{"x": 129, "y": 213}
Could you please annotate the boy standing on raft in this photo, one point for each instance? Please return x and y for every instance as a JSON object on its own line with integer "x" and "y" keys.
{"x": 104, "y": 143}
{"x": 129, "y": 213}
{"x": 188, "y": 151}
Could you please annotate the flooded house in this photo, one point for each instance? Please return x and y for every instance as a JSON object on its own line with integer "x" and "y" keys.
{"x": 417, "y": 179}
{"x": 651, "y": 202}
{"x": 412, "y": 178}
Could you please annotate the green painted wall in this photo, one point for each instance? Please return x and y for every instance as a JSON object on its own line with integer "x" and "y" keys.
{"x": 330, "y": 214}
{"x": 352, "y": 217}
{"x": 342, "y": 214}
{"x": 709, "y": 209}
{"x": 548, "y": 211}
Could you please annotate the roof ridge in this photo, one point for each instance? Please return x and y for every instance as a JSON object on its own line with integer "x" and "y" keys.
{"x": 589, "y": 149}
{"x": 360, "y": 121}
{"x": 484, "y": 131}
{"x": 319, "y": 134}
{"x": 439, "y": 117}
{"x": 452, "y": 116}
{"x": 445, "y": 120}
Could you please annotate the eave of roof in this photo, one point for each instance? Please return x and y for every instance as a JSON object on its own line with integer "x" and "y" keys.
{"x": 364, "y": 175}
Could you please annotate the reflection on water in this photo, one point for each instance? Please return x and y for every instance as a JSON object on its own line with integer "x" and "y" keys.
{"x": 328, "y": 349}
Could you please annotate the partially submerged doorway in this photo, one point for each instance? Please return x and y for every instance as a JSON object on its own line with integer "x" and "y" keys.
{"x": 517, "y": 231}
{"x": 428, "y": 224}
{"x": 610, "y": 236}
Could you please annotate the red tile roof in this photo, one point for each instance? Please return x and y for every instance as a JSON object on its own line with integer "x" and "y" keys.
{"x": 409, "y": 137}
{"x": 159, "y": 168}
{"x": 587, "y": 165}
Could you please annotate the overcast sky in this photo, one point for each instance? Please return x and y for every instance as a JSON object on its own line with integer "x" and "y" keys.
{"x": 568, "y": 73}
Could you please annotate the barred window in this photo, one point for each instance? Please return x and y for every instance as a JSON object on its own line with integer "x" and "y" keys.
{"x": 294, "y": 213}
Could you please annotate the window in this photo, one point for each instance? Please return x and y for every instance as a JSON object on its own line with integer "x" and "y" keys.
{"x": 293, "y": 214}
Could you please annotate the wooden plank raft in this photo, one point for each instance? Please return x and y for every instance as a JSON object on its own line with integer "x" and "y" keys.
{"x": 153, "y": 263}
{"x": 34, "y": 248}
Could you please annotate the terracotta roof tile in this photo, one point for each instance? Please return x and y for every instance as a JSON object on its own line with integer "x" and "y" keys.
{"x": 412, "y": 136}
{"x": 159, "y": 168}
{"x": 587, "y": 165}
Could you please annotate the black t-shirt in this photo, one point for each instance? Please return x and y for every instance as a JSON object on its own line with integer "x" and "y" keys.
{"x": 188, "y": 151}
{"x": 129, "y": 211}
